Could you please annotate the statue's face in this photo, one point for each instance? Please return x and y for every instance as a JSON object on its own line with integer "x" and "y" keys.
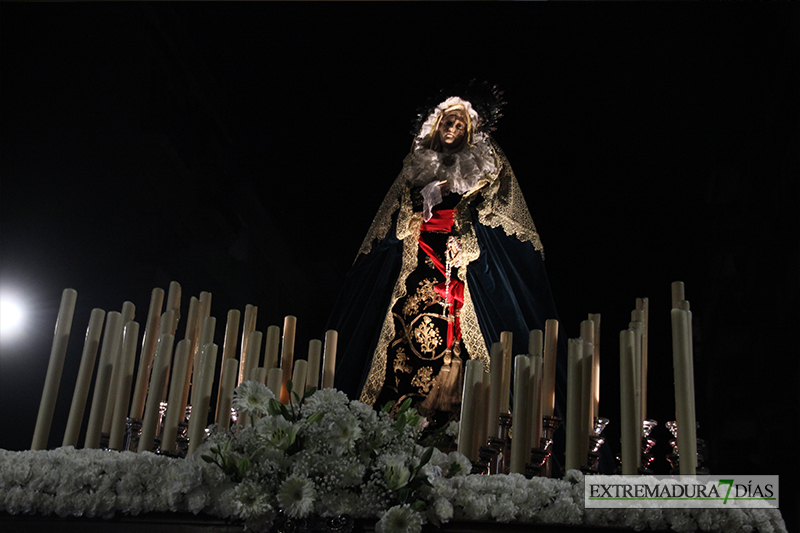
{"x": 452, "y": 130}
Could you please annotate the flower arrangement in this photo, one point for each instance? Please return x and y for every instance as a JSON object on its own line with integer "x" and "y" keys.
{"x": 320, "y": 456}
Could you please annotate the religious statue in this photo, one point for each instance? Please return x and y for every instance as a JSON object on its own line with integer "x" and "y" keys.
{"x": 451, "y": 260}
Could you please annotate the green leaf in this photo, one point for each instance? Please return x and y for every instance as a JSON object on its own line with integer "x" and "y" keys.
{"x": 426, "y": 456}
{"x": 405, "y": 405}
{"x": 387, "y": 406}
{"x": 286, "y": 414}
{"x": 297, "y": 399}
{"x": 207, "y": 458}
{"x": 289, "y": 386}
{"x": 309, "y": 392}
{"x": 316, "y": 417}
{"x": 418, "y": 506}
{"x": 274, "y": 407}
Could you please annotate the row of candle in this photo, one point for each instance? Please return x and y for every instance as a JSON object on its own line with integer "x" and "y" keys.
{"x": 534, "y": 379}
{"x": 486, "y": 395}
{"x": 163, "y": 376}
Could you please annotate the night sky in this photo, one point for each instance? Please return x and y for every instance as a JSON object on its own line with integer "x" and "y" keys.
{"x": 243, "y": 149}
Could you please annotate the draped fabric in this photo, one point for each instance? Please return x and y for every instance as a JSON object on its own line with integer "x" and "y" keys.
{"x": 504, "y": 287}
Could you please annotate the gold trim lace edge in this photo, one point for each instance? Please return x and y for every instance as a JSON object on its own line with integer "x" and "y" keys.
{"x": 408, "y": 225}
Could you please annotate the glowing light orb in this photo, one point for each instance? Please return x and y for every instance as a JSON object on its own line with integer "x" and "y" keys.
{"x": 12, "y": 317}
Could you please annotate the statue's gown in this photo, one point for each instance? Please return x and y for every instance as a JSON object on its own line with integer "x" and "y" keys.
{"x": 395, "y": 340}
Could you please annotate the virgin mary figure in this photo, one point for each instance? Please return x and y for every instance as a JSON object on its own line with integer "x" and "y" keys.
{"x": 451, "y": 260}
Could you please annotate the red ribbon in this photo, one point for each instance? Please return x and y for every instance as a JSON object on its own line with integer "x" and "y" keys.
{"x": 442, "y": 220}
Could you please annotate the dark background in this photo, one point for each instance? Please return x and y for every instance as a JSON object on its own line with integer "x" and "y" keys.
{"x": 243, "y": 149}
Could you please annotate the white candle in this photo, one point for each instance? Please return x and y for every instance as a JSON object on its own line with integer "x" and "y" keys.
{"x": 122, "y": 387}
{"x": 250, "y": 316}
{"x": 587, "y": 400}
{"x": 507, "y": 338}
{"x": 467, "y": 444}
{"x": 637, "y": 328}
{"x": 272, "y": 345}
{"x": 205, "y": 305}
{"x": 537, "y": 369}
{"x": 228, "y": 352}
{"x": 595, "y": 318}
{"x": 55, "y": 366}
{"x": 299, "y": 375}
{"x": 274, "y": 381}
{"x": 678, "y": 293}
{"x": 88, "y": 357}
{"x": 329, "y": 359}
{"x": 535, "y": 342}
{"x": 643, "y": 305}
{"x": 153, "y": 403}
{"x": 496, "y": 387}
{"x": 630, "y": 426}
{"x": 549, "y": 372}
{"x": 287, "y": 353}
{"x": 259, "y": 374}
{"x": 253, "y": 352}
{"x": 165, "y": 325}
{"x": 151, "y": 336}
{"x": 128, "y": 311}
{"x": 174, "y": 304}
{"x": 230, "y": 371}
{"x": 314, "y": 355}
{"x": 683, "y": 366}
{"x": 208, "y": 330}
{"x": 199, "y": 418}
{"x": 176, "y": 411}
{"x": 102, "y": 382}
{"x": 520, "y": 448}
{"x": 482, "y": 394}
{"x": 572, "y": 456}
{"x": 192, "y": 334}
{"x": 191, "y": 319}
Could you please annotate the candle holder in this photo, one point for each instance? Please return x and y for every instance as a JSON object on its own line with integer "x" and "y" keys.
{"x": 647, "y": 446}
{"x": 493, "y": 458}
{"x": 674, "y": 457}
{"x": 595, "y": 441}
{"x": 487, "y": 456}
{"x": 162, "y": 415}
{"x": 133, "y": 432}
{"x": 539, "y": 465}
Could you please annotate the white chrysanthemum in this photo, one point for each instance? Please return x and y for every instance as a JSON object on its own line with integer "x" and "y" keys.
{"x": 400, "y": 519}
{"x": 252, "y": 398}
{"x": 250, "y": 500}
{"x": 296, "y": 496}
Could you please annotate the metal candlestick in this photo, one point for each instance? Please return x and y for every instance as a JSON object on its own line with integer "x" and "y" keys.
{"x": 539, "y": 465}
{"x": 133, "y": 432}
{"x": 595, "y": 441}
{"x": 674, "y": 457}
{"x": 493, "y": 458}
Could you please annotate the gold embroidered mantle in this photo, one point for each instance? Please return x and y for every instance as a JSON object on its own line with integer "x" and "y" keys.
{"x": 498, "y": 201}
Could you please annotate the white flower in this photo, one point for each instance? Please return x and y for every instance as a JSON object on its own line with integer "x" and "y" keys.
{"x": 296, "y": 496}
{"x": 400, "y": 519}
{"x": 252, "y": 398}
{"x": 250, "y": 501}
{"x": 343, "y": 433}
{"x": 277, "y": 431}
{"x": 397, "y": 473}
{"x": 452, "y": 429}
